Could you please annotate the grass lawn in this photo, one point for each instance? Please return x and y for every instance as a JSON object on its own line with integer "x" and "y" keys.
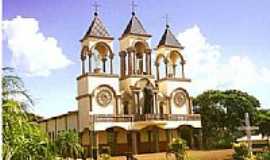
{"x": 194, "y": 155}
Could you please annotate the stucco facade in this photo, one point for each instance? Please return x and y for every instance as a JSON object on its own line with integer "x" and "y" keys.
{"x": 138, "y": 110}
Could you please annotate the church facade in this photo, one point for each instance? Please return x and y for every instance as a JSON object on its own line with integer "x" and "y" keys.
{"x": 134, "y": 111}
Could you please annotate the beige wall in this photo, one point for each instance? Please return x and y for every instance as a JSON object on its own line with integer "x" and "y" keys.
{"x": 57, "y": 124}
{"x": 72, "y": 121}
{"x": 61, "y": 123}
{"x": 90, "y": 42}
{"x": 130, "y": 40}
{"x": 84, "y": 109}
{"x": 87, "y": 84}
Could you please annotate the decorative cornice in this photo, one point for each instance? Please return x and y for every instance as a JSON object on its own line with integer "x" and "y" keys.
{"x": 135, "y": 34}
{"x": 104, "y": 38}
{"x": 175, "y": 79}
{"x": 137, "y": 76}
{"x": 104, "y": 75}
{"x": 83, "y": 96}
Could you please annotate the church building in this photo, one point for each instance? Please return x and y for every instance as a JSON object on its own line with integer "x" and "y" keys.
{"x": 139, "y": 110}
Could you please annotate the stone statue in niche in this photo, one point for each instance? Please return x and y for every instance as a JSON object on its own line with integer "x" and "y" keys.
{"x": 97, "y": 63}
{"x": 148, "y": 98}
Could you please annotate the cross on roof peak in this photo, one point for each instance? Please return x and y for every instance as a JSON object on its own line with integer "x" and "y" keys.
{"x": 133, "y": 7}
{"x": 167, "y": 20}
{"x": 95, "y": 6}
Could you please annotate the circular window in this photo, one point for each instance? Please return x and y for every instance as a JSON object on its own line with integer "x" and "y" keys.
{"x": 104, "y": 97}
{"x": 180, "y": 98}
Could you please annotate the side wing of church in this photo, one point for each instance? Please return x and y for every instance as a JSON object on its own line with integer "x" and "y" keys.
{"x": 134, "y": 111}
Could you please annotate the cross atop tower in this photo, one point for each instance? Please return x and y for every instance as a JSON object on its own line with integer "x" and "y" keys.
{"x": 167, "y": 20}
{"x": 95, "y": 6}
{"x": 133, "y": 7}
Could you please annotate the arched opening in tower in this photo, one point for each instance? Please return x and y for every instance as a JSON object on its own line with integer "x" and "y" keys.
{"x": 101, "y": 54}
{"x": 141, "y": 62}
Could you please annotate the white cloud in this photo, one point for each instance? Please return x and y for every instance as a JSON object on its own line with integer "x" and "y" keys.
{"x": 209, "y": 69}
{"x": 32, "y": 52}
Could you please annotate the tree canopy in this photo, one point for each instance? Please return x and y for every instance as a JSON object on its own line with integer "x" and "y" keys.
{"x": 263, "y": 121}
{"x": 22, "y": 136}
{"x": 222, "y": 113}
{"x": 23, "y": 139}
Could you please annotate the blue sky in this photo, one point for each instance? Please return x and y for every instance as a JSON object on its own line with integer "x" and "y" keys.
{"x": 230, "y": 38}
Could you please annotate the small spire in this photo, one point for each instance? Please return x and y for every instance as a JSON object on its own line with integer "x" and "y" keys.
{"x": 133, "y": 7}
{"x": 96, "y": 5}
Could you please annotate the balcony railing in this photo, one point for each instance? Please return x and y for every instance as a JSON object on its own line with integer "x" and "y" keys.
{"x": 145, "y": 117}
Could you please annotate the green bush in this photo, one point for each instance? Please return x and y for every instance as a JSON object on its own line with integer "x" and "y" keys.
{"x": 263, "y": 156}
{"x": 105, "y": 156}
{"x": 242, "y": 152}
{"x": 178, "y": 147}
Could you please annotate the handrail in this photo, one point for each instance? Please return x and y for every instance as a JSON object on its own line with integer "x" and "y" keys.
{"x": 143, "y": 117}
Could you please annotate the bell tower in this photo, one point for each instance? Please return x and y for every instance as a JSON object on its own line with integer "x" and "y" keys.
{"x": 170, "y": 73}
{"x": 135, "y": 66}
{"x": 97, "y": 84}
{"x": 96, "y": 46}
{"x": 135, "y": 52}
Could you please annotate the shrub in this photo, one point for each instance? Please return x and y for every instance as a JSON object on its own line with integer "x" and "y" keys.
{"x": 178, "y": 147}
{"x": 242, "y": 152}
{"x": 105, "y": 156}
{"x": 263, "y": 156}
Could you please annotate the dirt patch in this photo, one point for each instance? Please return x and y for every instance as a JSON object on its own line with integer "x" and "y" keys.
{"x": 225, "y": 154}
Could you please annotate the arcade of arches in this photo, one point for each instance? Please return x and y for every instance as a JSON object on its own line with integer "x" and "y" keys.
{"x": 150, "y": 139}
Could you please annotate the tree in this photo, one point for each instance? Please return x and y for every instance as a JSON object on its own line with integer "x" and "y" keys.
{"x": 263, "y": 121}
{"x": 22, "y": 138}
{"x": 67, "y": 144}
{"x": 13, "y": 88}
{"x": 222, "y": 113}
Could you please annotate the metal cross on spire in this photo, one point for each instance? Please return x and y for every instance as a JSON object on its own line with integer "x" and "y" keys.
{"x": 133, "y": 7}
{"x": 247, "y": 128}
{"x": 95, "y": 6}
{"x": 166, "y": 17}
{"x": 167, "y": 20}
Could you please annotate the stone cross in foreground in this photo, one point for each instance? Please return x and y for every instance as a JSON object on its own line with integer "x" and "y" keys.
{"x": 247, "y": 128}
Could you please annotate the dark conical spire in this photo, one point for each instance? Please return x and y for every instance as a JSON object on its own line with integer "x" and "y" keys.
{"x": 135, "y": 27}
{"x": 168, "y": 39}
{"x": 97, "y": 29}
